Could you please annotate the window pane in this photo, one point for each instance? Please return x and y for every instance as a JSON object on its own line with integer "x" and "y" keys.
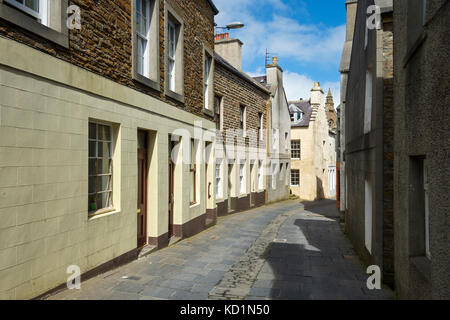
{"x": 32, "y": 4}
{"x": 92, "y": 149}
{"x": 92, "y": 204}
{"x": 92, "y": 167}
{"x": 92, "y": 185}
{"x": 92, "y": 131}
{"x": 104, "y": 150}
{"x": 104, "y": 183}
{"x": 192, "y": 193}
{"x": 104, "y": 166}
{"x": 104, "y": 132}
{"x": 103, "y": 200}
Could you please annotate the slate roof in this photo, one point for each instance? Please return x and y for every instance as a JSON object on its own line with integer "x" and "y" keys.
{"x": 301, "y": 106}
{"x": 262, "y": 80}
{"x": 239, "y": 73}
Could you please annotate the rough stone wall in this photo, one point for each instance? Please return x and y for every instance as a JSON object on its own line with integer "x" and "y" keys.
{"x": 237, "y": 92}
{"x": 421, "y": 100}
{"x": 388, "y": 151}
{"x": 104, "y": 45}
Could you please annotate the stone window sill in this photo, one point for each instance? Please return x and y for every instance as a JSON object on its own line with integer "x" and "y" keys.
{"x": 176, "y": 96}
{"x": 147, "y": 82}
{"x": 102, "y": 214}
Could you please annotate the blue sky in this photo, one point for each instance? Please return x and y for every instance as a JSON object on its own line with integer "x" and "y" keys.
{"x": 306, "y": 35}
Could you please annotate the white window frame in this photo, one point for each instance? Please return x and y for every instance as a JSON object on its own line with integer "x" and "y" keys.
{"x": 242, "y": 178}
{"x": 41, "y": 15}
{"x": 111, "y": 157}
{"x": 368, "y": 102}
{"x": 293, "y": 171}
{"x": 172, "y": 63}
{"x": 299, "y": 148}
{"x": 219, "y": 180}
{"x": 260, "y": 175}
{"x": 274, "y": 176}
{"x": 427, "y": 210}
{"x": 145, "y": 37}
{"x": 207, "y": 76}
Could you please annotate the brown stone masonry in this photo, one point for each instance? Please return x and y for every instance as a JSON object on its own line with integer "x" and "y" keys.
{"x": 104, "y": 45}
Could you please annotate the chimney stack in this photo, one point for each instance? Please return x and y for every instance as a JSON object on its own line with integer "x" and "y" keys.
{"x": 317, "y": 95}
{"x": 230, "y": 49}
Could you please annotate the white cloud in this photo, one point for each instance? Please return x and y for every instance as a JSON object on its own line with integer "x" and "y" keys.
{"x": 299, "y": 86}
{"x": 288, "y": 38}
{"x": 291, "y": 40}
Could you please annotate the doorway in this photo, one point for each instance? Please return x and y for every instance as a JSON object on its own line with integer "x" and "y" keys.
{"x": 171, "y": 187}
{"x": 142, "y": 188}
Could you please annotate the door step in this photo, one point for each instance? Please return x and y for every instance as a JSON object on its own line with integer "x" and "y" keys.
{"x": 174, "y": 240}
{"x": 209, "y": 222}
{"x": 146, "y": 251}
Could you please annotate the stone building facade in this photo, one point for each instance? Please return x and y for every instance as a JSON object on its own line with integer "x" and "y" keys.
{"x": 344, "y": 68}
{"x": 369, "y": 140}
{"x": 241, "y": 108}
{"x": 422, "y": 149}
{"x": 92, "y": 124}
{"x": 313, "y": 154}
{"x": 279, "y": 135}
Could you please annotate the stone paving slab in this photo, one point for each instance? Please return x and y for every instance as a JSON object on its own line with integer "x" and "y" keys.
{"x": 279, "y": 251}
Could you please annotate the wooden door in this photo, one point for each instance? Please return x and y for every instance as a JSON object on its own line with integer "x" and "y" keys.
{"x": 171, "y": 198}
{"x": 142, "y": 198}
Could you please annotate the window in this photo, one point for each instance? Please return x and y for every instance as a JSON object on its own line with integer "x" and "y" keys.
{"x": 45, "y": 18}
{"x": 242, "y": 119}
{"x": 171, "y": 56}
{"x": 142, "y": 34}
{"x": 260, "y": 175}
{"x": 35, "y": 8}
{"x": 260, "y": 126}
{"x": 242, "y": 178}
{"x": 100, "y": 167}
{"x": 295, "y": 149}
{"x": 295, "y": 178}
{"x": 207, "y": 79}
{"x": 427, "y": 210}
{"x": 217, "y": 111}
{"x": 281, "y": 171}
{"x": 286, "y": 141}
{"x": 296, "y": 117}
{"x": 219, "y": 187}
{"x": 368, "y": 216}
{"x": 274, "y": 174}
{"x": 193, "y": 172}
{"x": 146, "y": 69}
{"x": 368, "y": 104}
{"x": 419, "y": 214}
{"x": 174, "y": 63}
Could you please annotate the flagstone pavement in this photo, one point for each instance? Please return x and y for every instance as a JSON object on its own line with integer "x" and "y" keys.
{"x": 288, "y": 250}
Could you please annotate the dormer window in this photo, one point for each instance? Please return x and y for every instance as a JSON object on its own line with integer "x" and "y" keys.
{"x": 297, "y": 116}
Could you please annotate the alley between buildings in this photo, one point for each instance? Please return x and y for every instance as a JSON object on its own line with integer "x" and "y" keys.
{"x": 288, "y": 250}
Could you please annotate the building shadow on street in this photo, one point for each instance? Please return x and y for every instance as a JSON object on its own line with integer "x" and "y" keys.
{"x": 314, "y": 260}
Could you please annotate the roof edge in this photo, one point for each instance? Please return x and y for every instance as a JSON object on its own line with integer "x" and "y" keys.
{"x": 213, "y": 6}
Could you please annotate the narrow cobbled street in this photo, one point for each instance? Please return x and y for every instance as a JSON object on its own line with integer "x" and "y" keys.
{"x": 286, "y": 250}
